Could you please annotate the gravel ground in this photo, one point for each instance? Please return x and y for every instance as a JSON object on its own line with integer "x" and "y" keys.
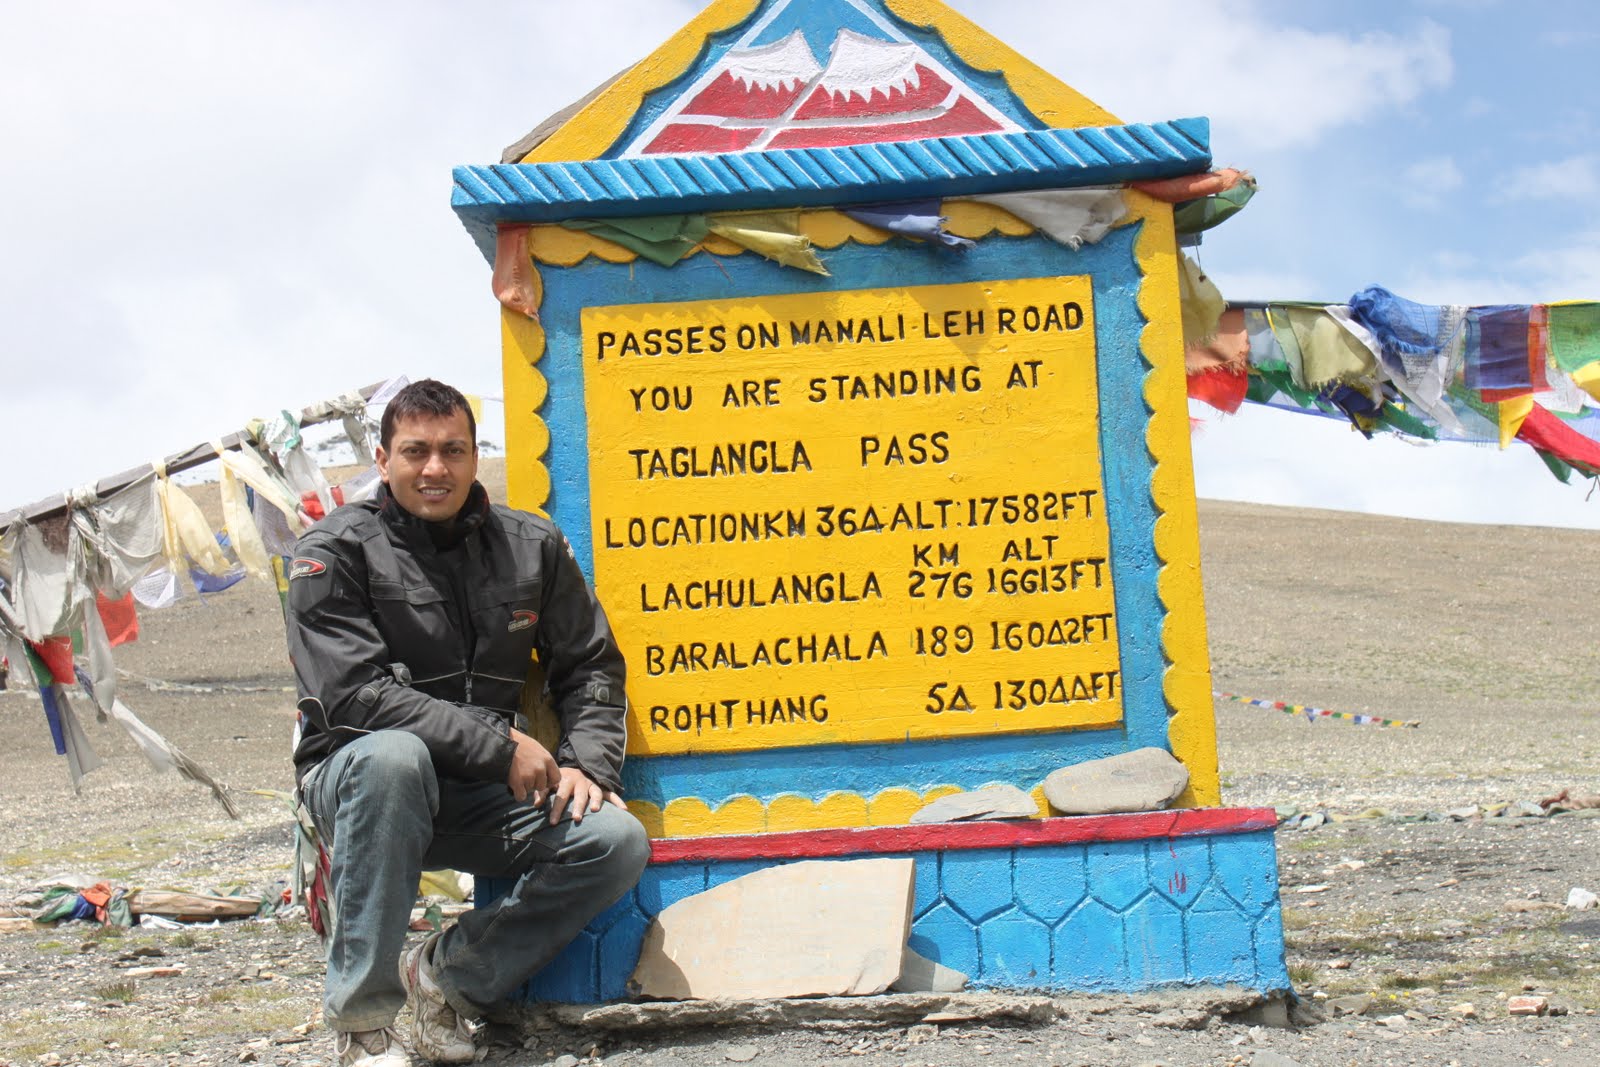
{"x": 1395, "y": 923}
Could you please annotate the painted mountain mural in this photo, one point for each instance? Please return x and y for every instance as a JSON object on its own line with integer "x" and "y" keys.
{"x": 777, "y": 95}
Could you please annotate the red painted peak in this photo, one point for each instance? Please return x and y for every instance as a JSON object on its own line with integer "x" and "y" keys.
{"x": 778, "y": 96}
{"x": 925, "y": 91}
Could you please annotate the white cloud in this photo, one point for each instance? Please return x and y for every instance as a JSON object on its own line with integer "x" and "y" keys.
{"x": 1269, "y": 85}
{"x": 1567, "y": 271}
{"x": 1428, "y": 183}
{"x": 1575, "y": 179}
{"x": 1278, "y": 457}
{"x": 1569, "y": 38}
{"x": 213, "y": 211}
{"x": 1247, "y": 285}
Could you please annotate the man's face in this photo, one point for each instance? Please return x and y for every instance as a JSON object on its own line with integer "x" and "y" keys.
{"x": 430, "y": 464}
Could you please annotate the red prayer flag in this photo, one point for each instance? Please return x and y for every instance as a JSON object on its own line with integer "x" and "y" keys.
{"x": 1222, "y": 387}
{"x": 120, "y": 618}
{"x": 56, "y": 655}
{"x": 1548, "y": 433}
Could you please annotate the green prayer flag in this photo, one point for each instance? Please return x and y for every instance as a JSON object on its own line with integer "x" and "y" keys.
{"x": 1574, "y": 335}
{"x": 662, "y": 239}
{"x": 1397, "y": 418}
{"x": 1195, "y": 216}
{"x": 1560, "y": 468}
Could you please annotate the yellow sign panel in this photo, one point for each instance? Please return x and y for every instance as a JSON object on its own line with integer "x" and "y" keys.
{"x": 873, "y": 515}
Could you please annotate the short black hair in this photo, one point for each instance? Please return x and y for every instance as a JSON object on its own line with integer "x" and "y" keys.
{"x": 428, "y": 398}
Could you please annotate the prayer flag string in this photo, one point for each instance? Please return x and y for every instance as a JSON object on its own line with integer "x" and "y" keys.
{"x": 1313, "y": 714}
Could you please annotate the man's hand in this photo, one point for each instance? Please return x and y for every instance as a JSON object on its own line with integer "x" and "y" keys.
{"x": 578, "y": 789}
{"x": 533, "y": 773}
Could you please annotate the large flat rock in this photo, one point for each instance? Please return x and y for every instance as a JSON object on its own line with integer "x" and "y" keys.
{"x": 814, "y": 928}
{"x": 918, "y": 974}
{"x": 998, "y": 801}
{"x": 1146, "y": 779}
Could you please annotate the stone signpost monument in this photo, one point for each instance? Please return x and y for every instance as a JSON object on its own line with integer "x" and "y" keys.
{"x": 842, "y": 348}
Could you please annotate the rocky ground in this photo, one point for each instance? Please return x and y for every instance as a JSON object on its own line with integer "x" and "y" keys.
{"x": 1410, "y": 931}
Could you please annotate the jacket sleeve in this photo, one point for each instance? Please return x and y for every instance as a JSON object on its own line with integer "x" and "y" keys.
{"x": 583, "y": 668}
{"x": 342, "y": 667}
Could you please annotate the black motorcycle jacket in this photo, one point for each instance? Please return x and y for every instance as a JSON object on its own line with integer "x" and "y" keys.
{"x": 394, "y": 625}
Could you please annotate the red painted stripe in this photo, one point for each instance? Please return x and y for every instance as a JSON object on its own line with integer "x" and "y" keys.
{"x": 940, "y": 837}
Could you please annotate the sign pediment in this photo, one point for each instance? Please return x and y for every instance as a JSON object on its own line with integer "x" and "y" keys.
{"x": 779, "y": 74}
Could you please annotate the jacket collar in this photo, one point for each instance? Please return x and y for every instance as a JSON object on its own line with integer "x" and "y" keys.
{"x": 469, "y": 519}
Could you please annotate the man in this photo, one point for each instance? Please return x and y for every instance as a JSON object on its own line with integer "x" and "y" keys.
{"x": 413, "y": 620}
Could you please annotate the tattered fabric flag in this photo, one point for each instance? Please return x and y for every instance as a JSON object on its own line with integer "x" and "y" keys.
{"x": 1217, "y": 369}
{"x": 1228, "y": 346}
{"x": 245, "y": 465}
{"x": 66, "y": 732}
{"x": 254, "y": 470}
{"x": 773, "y": 234}
{"x": 59, "y": 565}
{"x": 188, "y": 539}
{"x": 276, "y": 536}
{"x": 81, "y": 756}
{"x": 1497, "y": 366}
{"x": 1539, "y": 347}
{"x": 102, "y": 665}
{"x": 241, "y": 526}
{"x": 313, "y": 870}
{"x": 1418, "y": 348}
{"x": 355, "y": 415}
{"x": 1283, "y": 335}
{"x": 162, "y": 754}
{"x": 55, "y": 654}
{"x": 1421, "y": 347}
{"x": 1200, "y": 302}
{"x": 1186, "y": 187}
{"x": 118, "y": 536}
{"x": 43, "y": 576}
{"x": 1265, "y": 351}
{"x": 662, "y": 239}
{"x": 1549, "y": 434}
{"x": 215, "y": 583}
{"x": 516, "y": 283}
{"x": 1329, "y": 352}
{"x": 158, "y": 589}
{"x": 1575, "y": 343}
{"x": 1512, "y": 414}
{"x": 16, "y": 658}
{"x": 281, "y": 434}
{"x": 120, "y": 618}
{"x": 45, "y": 682}
{"x": 1363, "y": 409}
{"x": 918, "y": 219}
{"x": 1196, "y": 216}
{"x": 1072, "y": 217}
{"x": 117, "y": 541}
{"x": 1221, "y": 387}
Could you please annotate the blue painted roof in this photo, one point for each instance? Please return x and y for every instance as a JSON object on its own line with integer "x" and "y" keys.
{"x": 824, "y": 177}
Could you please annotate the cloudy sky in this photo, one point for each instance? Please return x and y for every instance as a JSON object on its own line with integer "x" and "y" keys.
{"x": 213, "y": 210}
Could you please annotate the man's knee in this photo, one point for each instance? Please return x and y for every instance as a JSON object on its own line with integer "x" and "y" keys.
{"x": 620, "y": 838}
{"x": 391, "y": 754}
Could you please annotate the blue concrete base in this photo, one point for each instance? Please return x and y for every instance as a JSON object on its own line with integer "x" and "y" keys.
{"x": 1105, "y": 913}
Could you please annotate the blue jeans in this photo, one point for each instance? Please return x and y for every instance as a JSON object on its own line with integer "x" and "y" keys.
{"x": 386, "y": 816}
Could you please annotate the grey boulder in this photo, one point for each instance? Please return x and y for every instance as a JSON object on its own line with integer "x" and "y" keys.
{"x": 1146, "y": 779}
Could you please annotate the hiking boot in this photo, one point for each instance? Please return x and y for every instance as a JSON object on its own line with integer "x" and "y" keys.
{"x": 370, "y": 1048}
{"x": 438, "y": 1033}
